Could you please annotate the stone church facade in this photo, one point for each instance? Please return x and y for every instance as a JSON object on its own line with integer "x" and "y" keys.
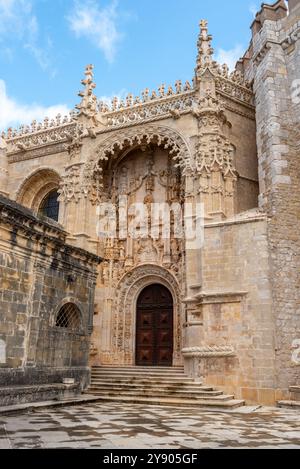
{"x": 227, "y": 310}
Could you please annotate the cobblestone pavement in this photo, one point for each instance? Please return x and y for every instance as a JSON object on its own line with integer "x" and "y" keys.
{"x": 124, "y": 426}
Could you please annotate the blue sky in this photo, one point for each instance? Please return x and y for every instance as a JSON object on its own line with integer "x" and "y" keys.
{"x": 134, "y": 44}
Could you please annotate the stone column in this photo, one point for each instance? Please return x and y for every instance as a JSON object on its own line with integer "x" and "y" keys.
{"x": 193, "y": 252}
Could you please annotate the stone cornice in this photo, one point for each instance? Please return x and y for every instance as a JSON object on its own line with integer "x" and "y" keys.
{"x": 22, "y": 221}
{"x": 43, "y": 150}
{"x": 209, "y": 298}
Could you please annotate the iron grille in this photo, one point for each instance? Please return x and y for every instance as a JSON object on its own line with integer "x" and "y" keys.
{"x": 68, "y": 317}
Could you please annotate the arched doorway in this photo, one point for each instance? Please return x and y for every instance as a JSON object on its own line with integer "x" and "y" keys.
{"x": 154, "y": 327}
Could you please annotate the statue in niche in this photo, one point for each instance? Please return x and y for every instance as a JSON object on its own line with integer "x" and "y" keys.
{"x": 174, "y": 188}
{"x": 121, "y": 251}
{"x": 146, "y": 251}
{"x": 123, "y": 181}
{"x": 175, "y": 250}
{"x": 150, "y": 179}
{"x": 105, "y": 273}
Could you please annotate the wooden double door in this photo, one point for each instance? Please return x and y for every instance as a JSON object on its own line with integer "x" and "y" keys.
{"x": 154, "y": 327}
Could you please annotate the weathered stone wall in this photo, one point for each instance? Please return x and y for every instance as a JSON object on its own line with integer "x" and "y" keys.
{"x": 275, "y": 68}
{"x": 235, "y": 312}
{"x": 244, "y": 322}
{"x": 39, "y": 273}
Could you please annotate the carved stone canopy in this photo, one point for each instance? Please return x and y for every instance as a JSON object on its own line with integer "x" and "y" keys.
{"x": 88, "y": 180}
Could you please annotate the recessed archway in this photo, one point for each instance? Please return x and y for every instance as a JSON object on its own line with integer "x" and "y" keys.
{"x": 125, "y": 304}
{"x": 36, "y": 187}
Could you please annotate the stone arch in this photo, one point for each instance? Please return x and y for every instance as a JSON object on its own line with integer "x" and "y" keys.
{"x": 127, "y": 293}
{"x": 36, "y": 186}
{"x": 163, "y": 136}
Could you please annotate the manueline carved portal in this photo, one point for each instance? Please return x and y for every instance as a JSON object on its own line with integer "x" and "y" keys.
{"x": 154, "y": 335}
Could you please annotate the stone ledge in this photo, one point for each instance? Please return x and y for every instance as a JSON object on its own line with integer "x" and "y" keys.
{"x": 11, "y": 395}
{"x": 210, "y": 298}
{"x": 289, "y": 404}
{"x": 295, "y": 389}
{"x": 30, "y": 407}
{"x": 4, "y": 390}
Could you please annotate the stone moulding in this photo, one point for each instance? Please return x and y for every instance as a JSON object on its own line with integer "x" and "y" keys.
{"x": 214, "y": 351}
{"x": 209, "y": 298}
{"x": 47, "y": 150}
{"x": 222, "y": 297}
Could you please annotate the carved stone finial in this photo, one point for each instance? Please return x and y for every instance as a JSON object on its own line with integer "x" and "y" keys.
{"x": 88, "y": 109}
{"x": 205, "y": 50}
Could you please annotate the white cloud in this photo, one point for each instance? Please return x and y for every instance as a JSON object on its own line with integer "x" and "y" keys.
{"x": 16, "y": 16}
{"x": 97, "y": 25}
{"x": 13, "y": 113}
{"x": 230, "y": 57}
{"x": 121, "y": 95}
{"x": 19, "y": 22}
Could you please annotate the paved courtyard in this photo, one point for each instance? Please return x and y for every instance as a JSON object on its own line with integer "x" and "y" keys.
{"x": 124, "y": 426}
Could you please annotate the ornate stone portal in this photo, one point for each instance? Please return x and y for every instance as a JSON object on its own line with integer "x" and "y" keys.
{"x": 124, "y": 307}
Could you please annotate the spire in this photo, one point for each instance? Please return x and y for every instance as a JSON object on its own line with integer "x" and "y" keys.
{"x": 205, "y": 50}
{"x": 88, "y": 107}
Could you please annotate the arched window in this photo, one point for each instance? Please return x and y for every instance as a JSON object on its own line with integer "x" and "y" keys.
{"x": 68, "y": 317}
{"x": 50, "y": 206}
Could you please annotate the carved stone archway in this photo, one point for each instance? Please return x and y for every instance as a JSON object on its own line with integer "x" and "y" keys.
{"x": 120, "y": 141}
{"x": 36, "y": 186}
{"x": 127, "y": 293}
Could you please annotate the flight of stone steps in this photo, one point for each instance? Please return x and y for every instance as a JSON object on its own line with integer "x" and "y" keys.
{"x": 156, "y": 386}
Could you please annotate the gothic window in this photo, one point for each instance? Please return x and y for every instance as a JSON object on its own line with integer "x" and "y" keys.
{"x": 50, "y": 206}
{"x": 68, "y": 317}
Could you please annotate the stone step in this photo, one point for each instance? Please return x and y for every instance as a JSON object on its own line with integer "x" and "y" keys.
{"x": 295, "y": 393}
{"x": 159, "y": 392}
{"x": 295, "y": 389}
{"x": 149, "y": 385}
{"x": 153, "y": 382}
{"x": 145, "y": 371}
{"x": 137, "y": 368}
{"x": 140, "y": 373}
{"x": 144, "y": 379}
{"x": 167, "y": 401}
{"x": 289, "y": 404}
{"x": 157, "y": 384}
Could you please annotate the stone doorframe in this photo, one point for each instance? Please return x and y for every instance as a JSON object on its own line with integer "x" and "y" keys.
{"x": 124, "y": 308}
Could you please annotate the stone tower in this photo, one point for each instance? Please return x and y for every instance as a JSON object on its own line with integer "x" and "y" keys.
{"x": 273, "y": 64}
